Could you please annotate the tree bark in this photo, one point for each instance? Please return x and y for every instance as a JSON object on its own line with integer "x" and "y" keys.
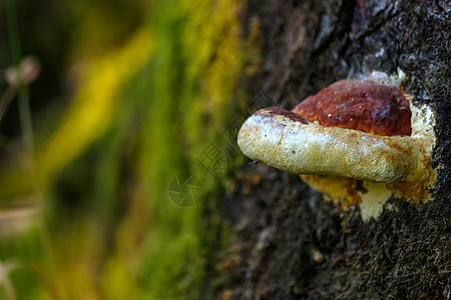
{"x": 286, "y": 241}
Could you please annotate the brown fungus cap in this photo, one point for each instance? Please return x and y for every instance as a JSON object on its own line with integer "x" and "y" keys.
{"x": 365, "y": 106}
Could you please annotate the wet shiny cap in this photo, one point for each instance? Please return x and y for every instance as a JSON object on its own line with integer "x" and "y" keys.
{"x": 365, "y": 106}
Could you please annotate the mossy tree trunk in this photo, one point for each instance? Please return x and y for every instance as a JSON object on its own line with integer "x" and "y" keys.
{"x": 286, "y": 241}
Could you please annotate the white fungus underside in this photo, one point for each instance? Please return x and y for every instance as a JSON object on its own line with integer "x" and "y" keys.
{"x": 313, "y": 149}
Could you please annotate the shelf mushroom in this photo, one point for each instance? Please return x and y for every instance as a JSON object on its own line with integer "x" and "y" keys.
{"x": 353, "y": 141}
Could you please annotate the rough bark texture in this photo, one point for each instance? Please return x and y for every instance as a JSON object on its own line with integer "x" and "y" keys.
{"x": 287, "y": 243}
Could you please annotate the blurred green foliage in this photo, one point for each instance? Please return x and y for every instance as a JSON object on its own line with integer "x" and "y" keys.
{"x": 144, "y": 109}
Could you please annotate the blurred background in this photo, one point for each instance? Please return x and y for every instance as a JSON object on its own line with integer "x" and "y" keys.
{"x": 110, "y": 113}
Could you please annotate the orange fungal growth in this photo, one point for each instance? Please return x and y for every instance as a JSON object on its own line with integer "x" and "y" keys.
{"x": 358, "y": 142}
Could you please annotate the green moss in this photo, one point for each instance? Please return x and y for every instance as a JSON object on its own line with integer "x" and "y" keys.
{"x": 143, "y": 114}
{"x": 196, "y": 65}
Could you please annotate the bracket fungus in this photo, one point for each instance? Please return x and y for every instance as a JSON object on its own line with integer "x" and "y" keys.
{"x": 358, "y": 142}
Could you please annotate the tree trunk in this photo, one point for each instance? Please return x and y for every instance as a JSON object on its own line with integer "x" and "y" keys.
{"x": 286, "y": 241}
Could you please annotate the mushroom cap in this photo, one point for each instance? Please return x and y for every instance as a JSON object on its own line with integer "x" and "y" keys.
{"x": 365, "y": 106}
